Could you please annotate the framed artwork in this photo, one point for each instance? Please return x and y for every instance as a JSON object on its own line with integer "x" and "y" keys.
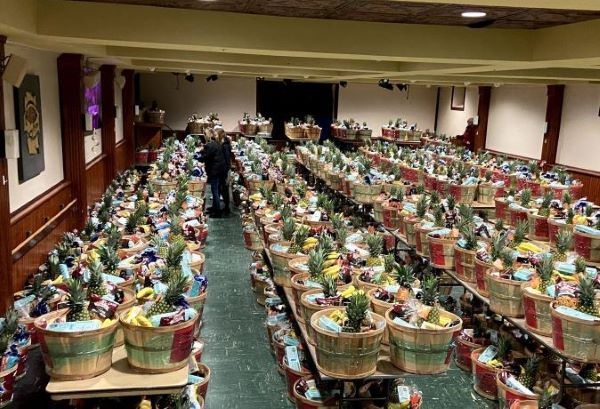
{"x": 28, "y": 117}
{"x": 458, "y": 98}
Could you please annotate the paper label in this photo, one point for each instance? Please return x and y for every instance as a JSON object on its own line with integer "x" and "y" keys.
{"x": 329, "y": 324}
{"x": 403, "y": 323}
{"x": 24, "y": 301}
{"x": 489, "y": 354}
{"x": 75, "y": 326}
{"x": 313, "y": 394}
{"x": 290, "y": 341}
{"x": 293, "y": 360}
{"x": 112, "y": 279}
{"x": 403, "y": 393}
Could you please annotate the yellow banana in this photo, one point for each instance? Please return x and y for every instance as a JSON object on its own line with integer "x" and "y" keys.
{"x": 525, "y": 247}
{"x": 311, "y": 240}
{"x": 145, "y": 292}
{"x": 329, "y": 263}
{"x": 332, "y": 256}
{"x": 143, "y": 321}
{"x": 331, "y": 271}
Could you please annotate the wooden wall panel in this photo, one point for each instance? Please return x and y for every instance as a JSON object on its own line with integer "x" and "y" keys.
{"x": 122, "y": 157}
{"x": 128, "y": 116}
{"x": 94, "y": 177}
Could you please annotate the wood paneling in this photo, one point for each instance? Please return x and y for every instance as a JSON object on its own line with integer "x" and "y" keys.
{"x": 107, "y": 84}
{"x": 94, "y": 176}
{"x": 556, "y": 95}
{"x": 483, "y": 112}
{"x": 590, "y": 180}
{"x": 122, "y": 159}
{"x": 70, "y": 86}
{"x": 128, "y": 116}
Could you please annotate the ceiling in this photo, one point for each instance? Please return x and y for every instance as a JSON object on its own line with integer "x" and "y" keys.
{"x": 199, "y": 37}
{"x": 385, "y": 11}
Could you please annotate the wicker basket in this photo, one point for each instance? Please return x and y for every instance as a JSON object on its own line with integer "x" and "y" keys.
{"x": 303, "y": 403}
{"x": 196, "y": 187}
{"x": 7, "y": 379}
{"x": 125, "y": 306}
{"x": 248, "y": 129}
{"x": 297, "y": 291}
{"x": 486, "y": 193}
{"x": 291, "y": 377}
{"x": 506, "y": 296}
{"x": 537, "y": 311}
{"x": 441, "y": 252}
{"x": 410, "y": 230}
{"x": 430, "y": 182}
{"x": 312, "y": 132}
{"x": 202, "y": 387}
{"x": 484, "y": 377}
{"x": 463, "y": 352}
{"x": 587, "y": 246}
{"x": 554, "y": 226}
{"x": 259, "y": 290}
{"x": 280, "y": 260}
{"x": 159, "y": 349}
{"x": 464, "y": 264}
{"x": 195, "y": 128}
{"x": 517, "y": 215}
{"x": 347, "y": 355}
{"x": 308, "y": 310}
{"x": 576, "y": 338}
{"x": 163, "y": 186}
{"x": 75, "y": 355}
{"x": 197, "y": 260}
{"x": 421, "y": 239}
{"x": 252, "y": 240}
{"x": 421, "y": 351}
{"x": 463, "y": 193}
{"x": 380, "y": 307}
{"x": 365, "y": 134}
{"x": 482, "y": 269}
{"x": 442, "y": 186}
{"x": 253, "y": 185}
{"x": 506, "y": 395}
{"x": 350, "y": 134}
{"x": 538, "y": 227}
{"x": 392, "y": 216}
{"x": 294, "y": 132}
{"x": 265, "y": 128}
{"x": 502, "y": 209}
{"x": 156, "y": 117}
{"x": 365, "y": 193}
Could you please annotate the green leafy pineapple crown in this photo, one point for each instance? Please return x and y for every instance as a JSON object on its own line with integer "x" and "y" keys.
{"x": 357, "y": 311}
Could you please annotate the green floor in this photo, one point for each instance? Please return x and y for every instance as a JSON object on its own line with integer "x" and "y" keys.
{"x": 244, "y": 373}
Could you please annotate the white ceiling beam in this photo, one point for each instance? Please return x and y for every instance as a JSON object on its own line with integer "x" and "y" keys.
{"x": 589, "y": 5}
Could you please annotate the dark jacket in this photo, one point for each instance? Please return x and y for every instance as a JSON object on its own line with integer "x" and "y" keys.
{"x": 468, "y": 138}
{"x": 226, "y": 146}
{"x": 214, "y": 160}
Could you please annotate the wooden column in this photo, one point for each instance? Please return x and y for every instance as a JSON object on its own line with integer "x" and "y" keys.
{"x": 554, "y": 106}
{"x": 107, "y": 84}
{"x": 483, "y": 112}
{"x": 70, "y": 87}
{"x": 6, "y": 271}
{"x": 129, "y": 114}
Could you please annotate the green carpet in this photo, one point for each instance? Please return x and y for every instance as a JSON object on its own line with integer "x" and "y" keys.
{"x": 244, "y": 372}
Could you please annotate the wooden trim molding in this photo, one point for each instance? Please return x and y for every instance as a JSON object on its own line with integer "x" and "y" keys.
{"x": 128, "y": 95}
{"x": 30, "y": 206}
{"x": 107, "y": 85}
{"x": 96, "y": 161}
{"x": 510, "y": 155}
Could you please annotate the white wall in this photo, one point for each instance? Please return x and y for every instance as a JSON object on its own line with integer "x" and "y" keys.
{"x": 43, "y": 64}
{"x": 119, "y": 104}
{"x": 517, "y": 120}
{"x": 454, "y": 122}
{"x": 229, "y": 97}
{"x": 580, "y": 124}
{"x": 376, "y": 106}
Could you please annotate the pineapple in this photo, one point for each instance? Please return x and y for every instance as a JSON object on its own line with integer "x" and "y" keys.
{"x": 76, "y": 302}
{"x": 525, "y": 198}
{"x": 498, "y": 244}
{"x": 404, "y": 276}
{"x": 357, "y": 312}
{"x": 580, "y": 265}
{"x": 567, "y": 199}
{"x": 134, "y": 220}
{"x": 421, "y": 207}
{"x": 589, "y": 372}
{"x": 564, "y": 239}
{"x": 375, "y": 243}
{"x": 429, "y": 293}
{"x": 545, "y": 270}
{"x": 287, "y": 231}
{"x": 520, "y": 232}
{"x": 389, "y": 263}
{"x": 469, "y": 236}
{"x": 96, "y": 282}
{"x": 466, "y": 213}
{"x": 545, "y": 206}
{"x": 173, "y": 259}
{"x": 570, "y": 216}
{"x": 529, "y": 373}
{"x": 315, "y": 263}
{"x": 508, "y": 260}
{"x": 450, "y": 203}
{"x": 504, "y": 348}
{"x": 300, "y": 237}
{"x": 546, "y": 399}
{"x": 439, "y": 217}
{"x": 109, "y": 259}
{"x": 434, "y": 198}
{"x": 433, "y": 316}
{"x": 586, "y": 302}
{"x": 326, "y": 243}
{"x": 341, "y": 236}
{"x": 499, "y": 226}
{"x": 329, "y": 287}
{"x": 172, "y": 296}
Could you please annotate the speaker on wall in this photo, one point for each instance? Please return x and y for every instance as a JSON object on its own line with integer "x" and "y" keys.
{"x": 15, "y": 70}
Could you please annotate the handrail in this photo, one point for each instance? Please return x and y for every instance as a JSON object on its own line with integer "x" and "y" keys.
{"x": 41, "y": 233}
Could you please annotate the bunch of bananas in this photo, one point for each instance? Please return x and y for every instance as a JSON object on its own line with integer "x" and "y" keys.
{"x": 135, "y": 317}
{"x": 309, "y": 243}
{"x": 350, "y": 291}
{"x": 526, "y": 247}
{"x": 146, "y": 294}
{"x": 339, "y": 317}
{"x": 580, "y": 219}
{"x": 495, "y": 363}
{"x": 256, "y": 197}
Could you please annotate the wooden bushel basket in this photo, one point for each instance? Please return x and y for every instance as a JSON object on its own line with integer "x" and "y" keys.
{"x": 162, "y": 186}
{"x": 484, "y": 377}
{"x": 202, "y": 387}
{"x": 421, "y": 239}
{"x": 576, "y": 338}
{"x": 75, "y": 355}
{"x": 462, "y": 356}
{"x": 506, "y": 395}
{"x": 538, "y": 227}
{"x": 486, "y": 193}
{"x": 303, "y": 403}
{"x": 517, "y": 215}
{"x": 464, "y": 264}
{"x": 463, "y": 193}
{"x": 391, "y": 216}
{"x": 442, "y": 187}
{"x": 196, "y": 186}
{"x": 248, "y": 129}
{"x": 535, "y": 187}
{"x": 347, "y": 355}
{"x": 556, "y": 225}
{"x": 280, "y": 260}
{"x": 378, "y": 209}
{"x": 502, "y": 210}
{"x": 365, "y": 193}
{"x": 7, "y": 379}
{"x": 291, "y": 377}
{"x": 252, "y": 240}
{"x": 297, "y": 291}
{"x": 587, "y": 246}
{"x": 197, "y": 260}
{"x": 308, "y": 310}
{"x": 506, "y": 296}
{"x": 537, "y": 311}
{"x": 159, "y": 349}
{"x": 380, "y": 307}
{"x": 421, "y": 351}
{"x": 129, "y": 302}
{"x": 482, "y": 269}
{"x": 312, "y": 132}
{"x": 430, "y": 183}
{"x": 410, "y": 230}
{"x": 441, "y": 252}
{"x": 259, "y": 290}
{"x": 254, "y": 185}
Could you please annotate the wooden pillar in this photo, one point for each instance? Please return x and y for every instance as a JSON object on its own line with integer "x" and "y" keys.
{"x": 6, "y": 274}
{"x": 107, "y": 84}
{"x": 554, "y": 106}
{"x": 483, "y": 112}
{"x": 70, "y": 87}
{"x": 129, "y": 114}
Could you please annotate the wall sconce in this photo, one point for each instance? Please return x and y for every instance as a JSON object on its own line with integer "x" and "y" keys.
{"x": 120, "y": 81}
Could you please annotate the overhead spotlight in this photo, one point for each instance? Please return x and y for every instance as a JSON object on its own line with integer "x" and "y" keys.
{"x": 189, "y": 77}
{"x": 260, "y": 78}
{"x": 152, "y": 69}
{"x": 385, "y": 83}
{"x": 343, "y": 84}
{"x": 467, "y": 83}
{"x": 497, "y": 85}
{"x": 402, "y": 87}
{"x": 287, "y": 81}
{"x": 473, "y": 14}
{"x": 212, "y": 77}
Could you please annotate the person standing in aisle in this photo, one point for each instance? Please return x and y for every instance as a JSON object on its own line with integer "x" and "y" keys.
{"x": 467, "y": 139}
{"x": 214, "y": 161}
{"x": 224, "y": 178}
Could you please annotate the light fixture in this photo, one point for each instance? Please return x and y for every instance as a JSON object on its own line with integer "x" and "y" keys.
{"x": 120, "y": 81}
{"x": 497, "y": 84}
{"x": 212, "y": 77}
{"x": 287, "y": 81}
{"x": 386, "y": 84}
{"x": 402, "y": 87}
{"x": 260, "y": 78}
{"x": 306, "y": 77}
{"x": 152, "y": 69}
{"x": 467, "y": 83}
{"x": 189, "y": 77}
{"x": 343, "y": 84}
{"x": 473, "y": 14}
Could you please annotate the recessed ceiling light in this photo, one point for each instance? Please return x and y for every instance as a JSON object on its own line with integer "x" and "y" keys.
{"x": 473, "y": 14}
